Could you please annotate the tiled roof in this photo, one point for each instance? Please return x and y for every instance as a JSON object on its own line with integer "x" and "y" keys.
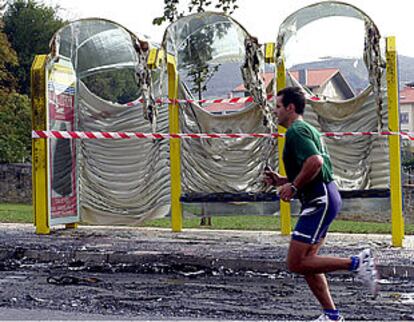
{"x": 316, "y": 77}
{"x": 267, "y": 78}
{"x": 224, "y": 107}
{"x": 407, "y": 95}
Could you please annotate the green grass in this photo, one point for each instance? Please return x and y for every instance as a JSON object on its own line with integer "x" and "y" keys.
{"x": 19, "y": 213}
{"x": 273, "y": 223}
{"x": 16, "y": 213}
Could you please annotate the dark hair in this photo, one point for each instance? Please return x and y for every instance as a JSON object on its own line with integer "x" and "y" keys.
{"x": 293, "y": 95}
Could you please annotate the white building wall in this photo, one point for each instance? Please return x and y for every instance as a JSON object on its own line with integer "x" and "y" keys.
{"x": 407, "y": 122}
{"x": 331, "y": 91}
{"x": 407, "y": 117}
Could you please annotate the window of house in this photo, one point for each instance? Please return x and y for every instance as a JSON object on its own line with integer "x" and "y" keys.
{"x": 404, "y": 118}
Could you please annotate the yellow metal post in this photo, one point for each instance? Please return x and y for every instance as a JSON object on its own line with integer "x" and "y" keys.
{"x": 269, "y": 52}
{"x": 155, "y": 56}
{"x": 175, "y": 146}
{"x": 397, "y": 221}
{"x": 39, "y": 146}
{"x": 285, "y": 225}
{"x": 269, "y": 55}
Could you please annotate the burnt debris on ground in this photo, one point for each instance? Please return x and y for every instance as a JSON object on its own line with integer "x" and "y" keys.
{"x": 156, "y": 274}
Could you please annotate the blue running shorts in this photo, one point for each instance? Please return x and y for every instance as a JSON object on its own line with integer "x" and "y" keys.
{"x": 320, "y": 205}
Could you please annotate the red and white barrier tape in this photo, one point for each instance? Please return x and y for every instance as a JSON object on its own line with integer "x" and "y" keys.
{"x": 234, "y": 100}
{"x": 139, "y": 135}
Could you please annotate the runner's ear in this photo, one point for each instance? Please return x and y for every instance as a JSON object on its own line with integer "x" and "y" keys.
{"x": 291, "y": 107}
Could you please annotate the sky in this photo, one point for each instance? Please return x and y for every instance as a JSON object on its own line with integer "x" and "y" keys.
{"x": 262, "y": 19}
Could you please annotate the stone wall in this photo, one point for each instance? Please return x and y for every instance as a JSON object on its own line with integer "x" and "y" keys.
{"x": 16, "y": 183}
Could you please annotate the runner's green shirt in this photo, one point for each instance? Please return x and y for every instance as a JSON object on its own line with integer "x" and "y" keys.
{"x": 302, "y": 142}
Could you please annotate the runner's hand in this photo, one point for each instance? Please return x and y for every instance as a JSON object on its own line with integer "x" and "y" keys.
{"x": 286, "y": 193}
{"x": 272, "y": 178}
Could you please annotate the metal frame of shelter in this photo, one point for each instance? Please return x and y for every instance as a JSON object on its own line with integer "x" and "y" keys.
{"x": 397, "y": 227}
{"x": 40, "y": 146}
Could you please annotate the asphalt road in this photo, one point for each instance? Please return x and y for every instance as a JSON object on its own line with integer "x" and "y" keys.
{"x": 8, "y": 314}
{"x": 107, "y": 273}
{"x": 45, "y": 291}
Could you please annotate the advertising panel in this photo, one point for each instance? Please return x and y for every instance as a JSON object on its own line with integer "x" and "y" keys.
{"x": 62, "y": 152}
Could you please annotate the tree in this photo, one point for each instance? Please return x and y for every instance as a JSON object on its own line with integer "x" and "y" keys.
{"x": 197, "y": 54}
{"x": 171, "y": 12}
{"x": 115, "y": 86}
{"x": 8, "y": 59}
{"x": 15, "y": 125}
{"x": 29, "y": 27}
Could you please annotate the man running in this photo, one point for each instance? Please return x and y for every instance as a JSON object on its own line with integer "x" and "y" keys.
{"x": 310, "y": 179}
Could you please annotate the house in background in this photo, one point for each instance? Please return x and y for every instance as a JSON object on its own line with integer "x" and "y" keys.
{"x": 326, "y": 82}
{"x": 407, "y": 108}
{"x": 323, "y": 82}
{"x": 240, "y": 91}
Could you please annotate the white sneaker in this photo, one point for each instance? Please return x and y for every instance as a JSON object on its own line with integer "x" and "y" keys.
{"x": 326, "y": 318}
{"x": 367, "y": 271}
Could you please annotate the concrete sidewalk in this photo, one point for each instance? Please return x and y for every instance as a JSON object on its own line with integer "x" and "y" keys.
{"x": 235, "y": 250}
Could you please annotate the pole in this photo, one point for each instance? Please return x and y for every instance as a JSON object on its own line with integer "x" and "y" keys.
{"x": 397, "y": 221}
{"x": 175, "y": 146}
